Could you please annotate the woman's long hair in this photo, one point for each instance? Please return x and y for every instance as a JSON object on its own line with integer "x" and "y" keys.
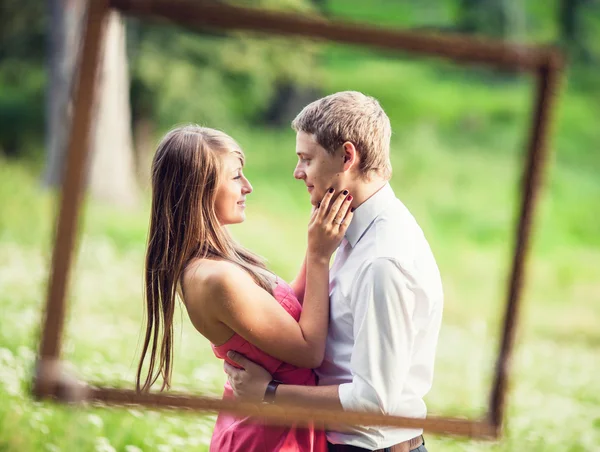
{"x": 186, "y": 171}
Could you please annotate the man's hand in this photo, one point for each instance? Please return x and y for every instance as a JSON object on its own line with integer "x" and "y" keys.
{"x": 249, "y": 383}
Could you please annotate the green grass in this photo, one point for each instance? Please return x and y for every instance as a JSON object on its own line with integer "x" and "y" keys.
{"x": 457, "y": 151}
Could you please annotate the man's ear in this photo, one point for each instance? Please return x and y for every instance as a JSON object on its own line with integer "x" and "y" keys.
{"x": 349, "y": 155}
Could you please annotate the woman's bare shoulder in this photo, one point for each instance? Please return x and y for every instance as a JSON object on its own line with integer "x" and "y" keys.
{"x": 209, "y": 278}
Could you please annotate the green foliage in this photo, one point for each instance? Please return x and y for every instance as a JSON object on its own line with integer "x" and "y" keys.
{"x": 22, "y": 78}
{"x": 178, "y": 76}
{"x": 218, "y": 77}
{"x": 23, "y": 27}
{"x": 21, "y": 108}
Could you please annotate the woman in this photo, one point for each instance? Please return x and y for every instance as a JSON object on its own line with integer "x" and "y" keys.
{"x": 198, "y": 188}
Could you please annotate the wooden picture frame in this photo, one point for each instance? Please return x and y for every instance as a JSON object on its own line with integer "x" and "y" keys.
{"x": 543, "y": 63}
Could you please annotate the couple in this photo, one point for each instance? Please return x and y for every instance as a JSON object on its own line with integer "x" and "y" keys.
{"x": 361, "y": 335}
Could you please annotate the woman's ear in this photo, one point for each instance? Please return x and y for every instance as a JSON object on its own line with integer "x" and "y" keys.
{"x": 350, "y": 155}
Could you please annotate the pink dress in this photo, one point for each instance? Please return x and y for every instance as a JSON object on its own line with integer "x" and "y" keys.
{"x": 245, "y": 434}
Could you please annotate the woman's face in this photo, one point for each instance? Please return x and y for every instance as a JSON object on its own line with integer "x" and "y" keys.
{"x": 230, "y": 201}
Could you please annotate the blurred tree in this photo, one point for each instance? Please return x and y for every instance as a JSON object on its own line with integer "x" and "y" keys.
{"x": 290, "y": 97}
{"x": 112, "y": 169}
{"x": 223, "y": 79}
{"x": 66, "y": 18}
{"x": 216, "y": 77}
{"x": 22, "y": 35}
{"x": 579, "y": 25}
{"x": 483, "y": 16}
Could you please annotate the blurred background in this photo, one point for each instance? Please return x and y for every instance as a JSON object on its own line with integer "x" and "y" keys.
{"x": 457, "y": 149}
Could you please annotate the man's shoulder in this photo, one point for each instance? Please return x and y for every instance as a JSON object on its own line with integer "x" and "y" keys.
{"x": 397, "y": 215}
{"x": 396, "y": 241}
{"x": 390, "y": 279}
{"x": 396, "y": 234}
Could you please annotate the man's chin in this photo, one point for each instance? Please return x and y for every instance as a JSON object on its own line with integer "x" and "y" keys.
{"x": 314, "y": 200}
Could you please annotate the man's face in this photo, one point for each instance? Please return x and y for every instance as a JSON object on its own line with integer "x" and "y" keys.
{"x": 317, "y": 168}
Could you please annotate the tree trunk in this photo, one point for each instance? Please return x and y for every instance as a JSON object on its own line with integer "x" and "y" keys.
{"x": 145, "y": 145}
{"x": 572, "y": 30}
{"x": 112, "y": 171}
{"x": 66, "y": 19}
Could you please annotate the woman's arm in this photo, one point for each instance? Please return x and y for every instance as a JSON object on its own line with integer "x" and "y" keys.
{"x": 250, "y": 311}
{"x": 238, "y": 302}
{"x": 298, "y": 285}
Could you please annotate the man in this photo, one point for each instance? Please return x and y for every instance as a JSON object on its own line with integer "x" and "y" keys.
{"x": 385, "y": 289}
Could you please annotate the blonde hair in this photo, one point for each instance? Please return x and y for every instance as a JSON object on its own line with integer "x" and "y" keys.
{"x": 354, "y": 117}
{"x": 186, "y": 171}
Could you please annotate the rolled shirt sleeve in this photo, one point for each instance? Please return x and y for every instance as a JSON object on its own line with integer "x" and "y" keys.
{"x": 383, "y": 304}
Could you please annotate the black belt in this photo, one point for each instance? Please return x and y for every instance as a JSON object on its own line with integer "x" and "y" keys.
{"x": 404, "y": 446}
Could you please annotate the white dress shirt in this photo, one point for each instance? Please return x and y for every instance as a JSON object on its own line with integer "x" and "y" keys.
{"x": 386, "y": 310}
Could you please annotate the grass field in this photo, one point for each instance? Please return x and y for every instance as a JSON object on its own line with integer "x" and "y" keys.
{"x": 457, "y": 150}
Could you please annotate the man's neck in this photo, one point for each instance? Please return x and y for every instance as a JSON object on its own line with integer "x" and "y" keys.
{"x": 362, "y": 191}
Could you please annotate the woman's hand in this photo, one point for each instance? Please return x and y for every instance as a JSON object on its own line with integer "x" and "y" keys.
{"x": 328, "y": 224}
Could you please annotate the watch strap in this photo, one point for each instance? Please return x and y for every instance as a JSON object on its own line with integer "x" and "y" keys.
{"x": 269, "y": 396}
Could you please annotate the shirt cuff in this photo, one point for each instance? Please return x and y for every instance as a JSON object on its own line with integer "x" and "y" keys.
{"x": 345, "y": 395}
{"x": 347, "y": 392}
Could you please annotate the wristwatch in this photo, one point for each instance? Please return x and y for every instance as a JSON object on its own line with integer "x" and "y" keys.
{"x": 269, "y": 396}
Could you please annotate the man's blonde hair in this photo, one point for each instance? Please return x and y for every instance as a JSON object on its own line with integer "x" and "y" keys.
{"x": 350, "y": 116}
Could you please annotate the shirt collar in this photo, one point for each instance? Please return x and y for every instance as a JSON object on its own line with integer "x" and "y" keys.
{"x": 367, "y": 212}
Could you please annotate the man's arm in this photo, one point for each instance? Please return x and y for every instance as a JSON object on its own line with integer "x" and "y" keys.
{"x": 251, "y": 381}
{"x": 383, "y": 303}
{"x": 317, "y": 396}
